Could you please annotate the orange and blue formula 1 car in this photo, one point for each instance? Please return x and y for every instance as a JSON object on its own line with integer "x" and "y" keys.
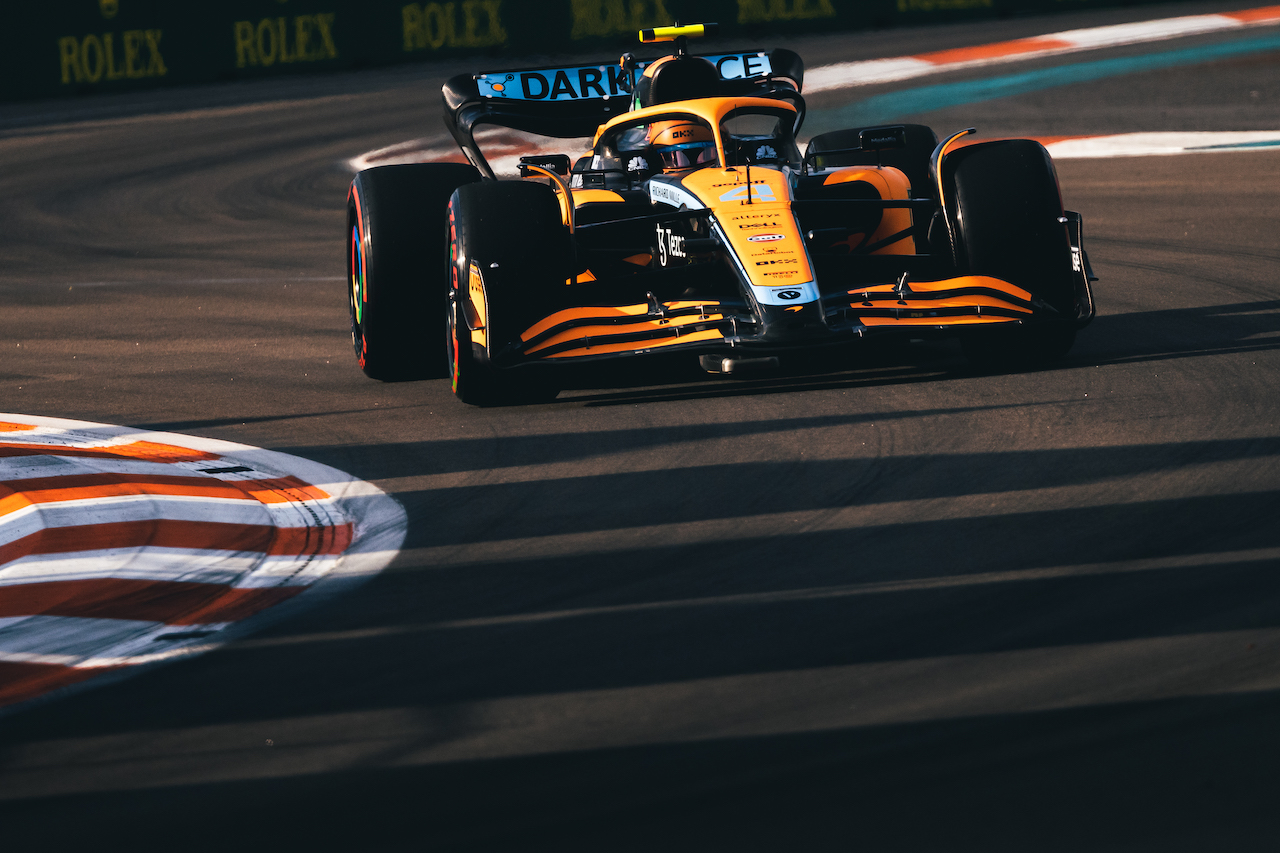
{"x": 695, "y": 224}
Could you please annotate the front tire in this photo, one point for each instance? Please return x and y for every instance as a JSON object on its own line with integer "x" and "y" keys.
{"x": 510, "y": 259}
{"x": 396, "y": 265}
{"x": 1006, "y": 210}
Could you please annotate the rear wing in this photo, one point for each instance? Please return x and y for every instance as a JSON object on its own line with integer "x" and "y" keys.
{"x": 569, "y": 102}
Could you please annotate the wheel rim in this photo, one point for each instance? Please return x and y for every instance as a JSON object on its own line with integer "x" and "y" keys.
{"x": 451, "y": 297}
{"x": 451, "y": 342}
{"x": 356, "y": 293}
{"x": 357, "y": 277}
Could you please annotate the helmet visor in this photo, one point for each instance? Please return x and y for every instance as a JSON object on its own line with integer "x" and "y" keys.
{"x": 686, "y": 155}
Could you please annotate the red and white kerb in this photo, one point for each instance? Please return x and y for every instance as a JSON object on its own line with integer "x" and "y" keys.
{"x": 121, "y": 547}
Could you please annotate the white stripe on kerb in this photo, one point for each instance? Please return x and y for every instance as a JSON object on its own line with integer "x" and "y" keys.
{"x": 871, "y": 72}
{"x": 242, "y": 569}
{"x": 1154, "y": 144}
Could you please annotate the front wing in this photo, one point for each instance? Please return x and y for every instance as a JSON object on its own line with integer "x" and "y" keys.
{"x": 611, "y": 331}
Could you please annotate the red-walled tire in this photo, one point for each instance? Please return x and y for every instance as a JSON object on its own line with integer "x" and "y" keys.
{"x": 398, "y": 265}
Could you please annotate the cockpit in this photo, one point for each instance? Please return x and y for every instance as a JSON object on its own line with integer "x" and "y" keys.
{"x": 633, "y": 149}
{"x": 760, "y": 136}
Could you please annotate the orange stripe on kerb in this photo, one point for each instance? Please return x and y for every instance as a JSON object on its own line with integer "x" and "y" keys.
{"x": 279, "y": 490}
{"x": 195, "y": 535}
{"x": 22, "y": 681}
{"x": 171, "y": 602}
{"x": 147, "y": 451}
{"x": 8, "y": 427}
{"x": 16, "y": 494}
{"x": 992, "y": 51}
{"x": 1266, "y": 13}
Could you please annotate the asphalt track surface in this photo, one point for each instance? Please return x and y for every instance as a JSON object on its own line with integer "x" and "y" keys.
{"x": 892, "y": 606}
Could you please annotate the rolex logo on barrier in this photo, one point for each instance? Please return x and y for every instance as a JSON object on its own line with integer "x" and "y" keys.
{"x": 130, "y": 55}
{"x": 302, "y": 38}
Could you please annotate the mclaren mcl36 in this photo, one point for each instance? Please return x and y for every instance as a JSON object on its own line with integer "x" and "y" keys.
{"x": 695, "y": 224}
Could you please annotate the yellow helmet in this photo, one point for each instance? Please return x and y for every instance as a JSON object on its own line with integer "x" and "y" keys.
{"x": 683, "y": 144}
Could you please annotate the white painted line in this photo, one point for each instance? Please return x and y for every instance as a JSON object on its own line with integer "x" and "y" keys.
{"x": 868, "y": 72}
{"x": 1160, "y": 144}
{"x": 845, "y": 75}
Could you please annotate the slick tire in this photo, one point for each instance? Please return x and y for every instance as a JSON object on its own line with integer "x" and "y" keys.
{"x": 1004, "y": 203}
{"x": 509, "y": 259}
{"x": 397, "y": 265}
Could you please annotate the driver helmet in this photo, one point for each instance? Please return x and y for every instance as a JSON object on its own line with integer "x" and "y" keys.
{"x": 682, "y": 144}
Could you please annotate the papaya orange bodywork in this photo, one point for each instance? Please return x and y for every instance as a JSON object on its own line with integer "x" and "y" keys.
{"x": 704, "y": 336}
{"x": 890, "y": 183}
{"x": 751, "y": 212}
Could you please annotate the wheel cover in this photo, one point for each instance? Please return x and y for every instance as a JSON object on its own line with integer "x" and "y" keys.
{"x": 452, "y": 339}
{"x": 450, "y": 318}
{"x": 357, "y": 276}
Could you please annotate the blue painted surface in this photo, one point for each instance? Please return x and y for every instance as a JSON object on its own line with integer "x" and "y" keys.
{"x": 896, "y": 106}
{"x": 1266, "y": 143}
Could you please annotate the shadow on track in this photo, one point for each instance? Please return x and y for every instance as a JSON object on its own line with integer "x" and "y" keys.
{"x": 1148, "y": 782}
{"x": 1148, "y": 336}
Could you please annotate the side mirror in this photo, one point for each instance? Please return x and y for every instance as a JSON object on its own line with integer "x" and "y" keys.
{"x": 558, "y": 163}
{"x": 883, "y": 138}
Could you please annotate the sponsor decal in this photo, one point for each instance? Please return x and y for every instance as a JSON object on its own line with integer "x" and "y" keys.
{"x": 556, "y": 84}
{"x": 673, "y": 195}
{"x": 762, "y": 192}
{"x": 579, "y": 82}
{"x": 304, "y": 38}
{"x": 765, "y": 238}
{"x": 670, "y": 245}
{"x": 131, "y": 55}
{"x": 752, "y": 216}
{"x": 747, "y": 226}
{"x": 596, "y": 18}
{"x": 772, "y": 294}
{"x": 787, "y": 274}
{"x": 759, "y": 13}
{"x": 431, "y": 26}
{"x": 736, "y": 66}
{"x": 778, "y": 261}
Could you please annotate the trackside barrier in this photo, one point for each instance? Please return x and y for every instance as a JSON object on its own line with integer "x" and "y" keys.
{"x": 78, "y": 47}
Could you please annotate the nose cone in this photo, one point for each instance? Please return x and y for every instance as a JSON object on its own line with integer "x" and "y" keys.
{"x": 792, "y": 323}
